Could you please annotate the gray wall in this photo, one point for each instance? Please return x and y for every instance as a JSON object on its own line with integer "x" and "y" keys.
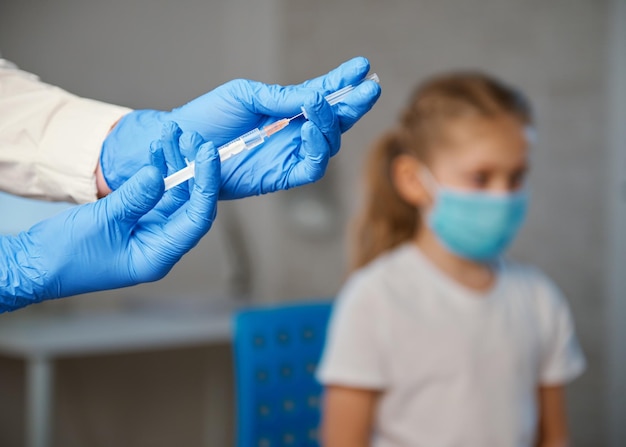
{"x": 144, "y": 53}
{"x": 616, "y": 222}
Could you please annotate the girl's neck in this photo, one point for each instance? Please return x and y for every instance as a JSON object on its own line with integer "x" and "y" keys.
{"x": 473, "y": 275}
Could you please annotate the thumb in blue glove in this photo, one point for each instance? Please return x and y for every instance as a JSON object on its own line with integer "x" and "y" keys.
{"x": 129, "y": 237}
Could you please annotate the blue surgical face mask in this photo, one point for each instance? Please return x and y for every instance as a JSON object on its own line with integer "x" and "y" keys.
{"x": 476, "y": 225}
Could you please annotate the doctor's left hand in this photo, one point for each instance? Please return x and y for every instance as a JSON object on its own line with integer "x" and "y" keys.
{"x": 134, "y": 235}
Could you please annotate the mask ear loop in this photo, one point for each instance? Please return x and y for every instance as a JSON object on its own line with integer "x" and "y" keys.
{"x": 429, "y": 180}
{"x": 431, "y": 185}
{"x": 530, "y": 132}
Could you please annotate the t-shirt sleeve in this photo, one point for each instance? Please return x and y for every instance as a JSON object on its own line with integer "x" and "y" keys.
{"x": 353, "y": 355}
{"x": 562, "y": 359}
{"x": 50, "y": 139}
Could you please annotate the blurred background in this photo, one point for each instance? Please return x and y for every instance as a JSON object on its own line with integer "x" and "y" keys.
{"x": 567, "y": 55}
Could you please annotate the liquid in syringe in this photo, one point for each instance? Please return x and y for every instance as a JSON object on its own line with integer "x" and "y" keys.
{"x": 252, "y": 139}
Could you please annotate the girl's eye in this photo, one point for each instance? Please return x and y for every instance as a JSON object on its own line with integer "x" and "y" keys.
{"x": 479, "y": 179}
{"x": 517, "y": 180}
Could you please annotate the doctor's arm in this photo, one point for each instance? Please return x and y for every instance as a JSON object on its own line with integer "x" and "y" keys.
{"x": 54, "y": 145}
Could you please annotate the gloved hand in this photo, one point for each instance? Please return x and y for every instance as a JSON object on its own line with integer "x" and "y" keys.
{"x": 131, "y": 236}
{"x": 297, "y": 155}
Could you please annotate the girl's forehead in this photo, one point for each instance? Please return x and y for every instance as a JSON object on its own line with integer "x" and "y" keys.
{"x": 480, "y": 139}
{"x": 469, "y": 128}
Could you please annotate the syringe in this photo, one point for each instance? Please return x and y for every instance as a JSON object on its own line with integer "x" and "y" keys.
{"x": 257, "y": 136}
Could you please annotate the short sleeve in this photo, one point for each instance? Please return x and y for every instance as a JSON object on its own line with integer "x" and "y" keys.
{"x": 562, "y": 359}
{"x": 353, "y": 355}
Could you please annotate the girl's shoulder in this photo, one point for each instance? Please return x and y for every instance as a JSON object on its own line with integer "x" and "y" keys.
{"x": 395, "y": 263}
{"x": 531, "y": 283}
{"x": 391, "y": 273}
{"x": 523, "y": 272}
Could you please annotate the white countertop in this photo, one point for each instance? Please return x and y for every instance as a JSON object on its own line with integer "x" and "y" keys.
{"x": 125, "y": 330}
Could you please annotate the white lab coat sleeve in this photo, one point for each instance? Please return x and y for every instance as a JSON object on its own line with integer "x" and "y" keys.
{"x": 50, "y": 140}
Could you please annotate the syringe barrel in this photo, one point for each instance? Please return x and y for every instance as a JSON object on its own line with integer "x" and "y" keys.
{"x": 245, "y": 142}
{"x": 253, "y": 138}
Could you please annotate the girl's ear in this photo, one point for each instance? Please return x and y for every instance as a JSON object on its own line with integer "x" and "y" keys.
{"x": 405, "y": 171}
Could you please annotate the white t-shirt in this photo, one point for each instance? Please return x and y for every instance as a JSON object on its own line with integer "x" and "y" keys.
{"x": 456, "y": 368}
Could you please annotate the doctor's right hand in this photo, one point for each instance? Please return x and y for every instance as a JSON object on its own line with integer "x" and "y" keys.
{"x": 129, "y": 237}
{"x": 297, "y": 155}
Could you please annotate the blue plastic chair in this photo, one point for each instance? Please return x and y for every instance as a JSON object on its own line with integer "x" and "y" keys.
{"x": 277, "y": 350}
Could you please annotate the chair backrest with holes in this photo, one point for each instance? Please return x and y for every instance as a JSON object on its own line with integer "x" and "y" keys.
{"x": 276, "y": 353}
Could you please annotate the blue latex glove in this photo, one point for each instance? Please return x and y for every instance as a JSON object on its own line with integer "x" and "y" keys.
{"x": 134, "y": 235}
{"x": 297, "y": 155}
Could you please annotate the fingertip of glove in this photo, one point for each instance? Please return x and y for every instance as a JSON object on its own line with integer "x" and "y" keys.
{"x": 186, "y": 138}
{"x": 153, "y": 175}
{"x": 157, "y": 157}
{"x": 375, "y": 88}
{"x": 155, "y": 146}
{"x": 207, "y": 152}
{"x": 372, "y": 91}
{"x": 208, "y": 167}
{"x": 315, "y": 99}
{"x": 308, "y": 127}
{"x": 314, "y": 143}
{"x": 139, "y": 194}
{"x": 314, "y": 104}
{"x": 360, "y": 63}
{"x": 149, "y": 182}
{"x": 212, "y": 150}
{"x": 191, "y": 139}
{"x": 364, "y": 99}
{"x": 359, "y": 66}
{"x": 170, "y": 128}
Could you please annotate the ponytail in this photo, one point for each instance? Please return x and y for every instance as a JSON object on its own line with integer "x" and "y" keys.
{"x": 386, "y": 220}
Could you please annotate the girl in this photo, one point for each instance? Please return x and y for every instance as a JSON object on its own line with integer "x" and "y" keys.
{"x": 436, "y": 341}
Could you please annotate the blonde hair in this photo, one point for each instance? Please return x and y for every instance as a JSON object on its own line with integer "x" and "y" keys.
{"x": 386, "y": 220}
